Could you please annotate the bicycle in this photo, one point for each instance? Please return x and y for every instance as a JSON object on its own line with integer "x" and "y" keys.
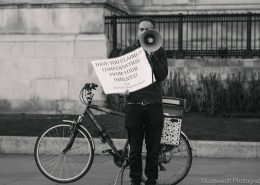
{"x": 64, "y": 152}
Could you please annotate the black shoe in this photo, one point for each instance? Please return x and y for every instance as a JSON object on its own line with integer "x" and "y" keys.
{"x": 136, "y": 183}
{"x": 150, "y": 183}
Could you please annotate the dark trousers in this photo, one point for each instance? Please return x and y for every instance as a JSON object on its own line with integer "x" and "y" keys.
{"x": 144, "y": 122}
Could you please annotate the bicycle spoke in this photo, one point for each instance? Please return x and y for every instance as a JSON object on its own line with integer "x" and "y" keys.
{"x": 51, "y": 162}
{"x": 72, "y": 166}
{"x": 76, "y": 164}
{"x": 49, "y": 156}
{"x": 63, "y": 165}
{"x": 76, "y": 147}
{"x": 63, "y": 138}
{"x": 180, "y": 151}
{"x": 56, "y": 145}
{"x": 66, "y": 168}
{"x": 58, "y": 136}
{"x": 56, "y": 164}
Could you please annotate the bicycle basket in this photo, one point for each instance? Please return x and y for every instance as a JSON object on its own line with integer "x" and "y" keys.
{"x": 171, "y": 131}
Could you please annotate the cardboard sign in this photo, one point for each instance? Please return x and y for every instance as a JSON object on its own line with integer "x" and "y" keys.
{"x": 128, "y": 72}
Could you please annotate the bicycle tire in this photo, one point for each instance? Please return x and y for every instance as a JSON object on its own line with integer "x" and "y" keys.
{"x": 50, "y": 144}
{"x": 174, "y": 172}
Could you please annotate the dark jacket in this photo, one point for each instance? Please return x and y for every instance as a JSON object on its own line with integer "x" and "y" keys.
{"x": 153, "y": 92}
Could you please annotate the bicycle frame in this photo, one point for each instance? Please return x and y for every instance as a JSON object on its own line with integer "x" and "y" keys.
{"x": 103, "y": 136}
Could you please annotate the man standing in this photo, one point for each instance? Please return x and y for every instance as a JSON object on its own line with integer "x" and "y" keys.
{"x": 144, "y": 114}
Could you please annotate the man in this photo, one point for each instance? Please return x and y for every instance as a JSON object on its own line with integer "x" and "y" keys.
{"x": 144, "y": 114}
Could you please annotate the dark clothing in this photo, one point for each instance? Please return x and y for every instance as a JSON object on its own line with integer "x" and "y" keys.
{"x": 153, "y": 92}
{"x": 146, "y": 121}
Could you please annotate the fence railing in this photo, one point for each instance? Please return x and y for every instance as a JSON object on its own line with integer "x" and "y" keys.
{"x": 214, "y": 35}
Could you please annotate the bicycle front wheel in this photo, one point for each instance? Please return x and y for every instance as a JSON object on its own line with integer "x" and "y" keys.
{"x": 60, "y": 166}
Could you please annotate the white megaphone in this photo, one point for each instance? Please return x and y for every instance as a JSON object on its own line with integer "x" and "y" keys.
{"x": 150, "y": 40}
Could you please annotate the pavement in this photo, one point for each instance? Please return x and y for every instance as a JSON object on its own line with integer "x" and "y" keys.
{"x": 22, "y": 170}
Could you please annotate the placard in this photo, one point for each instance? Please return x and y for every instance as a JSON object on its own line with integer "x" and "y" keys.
{"x": 128, "y": 72}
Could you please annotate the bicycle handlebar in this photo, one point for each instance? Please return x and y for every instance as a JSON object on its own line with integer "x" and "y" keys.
{"x": 90, "y": 86}
{"x": 86, "y": 94}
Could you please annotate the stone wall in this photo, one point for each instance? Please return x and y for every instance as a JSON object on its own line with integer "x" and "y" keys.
{"x": 44, "y": 73}
{"x": 45, "y": 53}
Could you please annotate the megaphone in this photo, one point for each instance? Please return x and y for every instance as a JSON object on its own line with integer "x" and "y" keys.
{"x": 150, "y": 40}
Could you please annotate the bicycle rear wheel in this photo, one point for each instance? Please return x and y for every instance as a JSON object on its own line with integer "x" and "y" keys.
{"x": 60, "y": 166}
{"x": 174, "y": 162}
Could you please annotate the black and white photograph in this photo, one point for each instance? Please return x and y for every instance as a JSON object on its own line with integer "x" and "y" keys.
{"x": 130, "y": 92}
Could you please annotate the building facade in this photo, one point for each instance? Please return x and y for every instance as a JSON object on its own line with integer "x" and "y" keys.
{"x": 46, "y": 48}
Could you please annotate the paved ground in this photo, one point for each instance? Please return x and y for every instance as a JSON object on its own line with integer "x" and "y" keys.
{"x": 21, "y": 170}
